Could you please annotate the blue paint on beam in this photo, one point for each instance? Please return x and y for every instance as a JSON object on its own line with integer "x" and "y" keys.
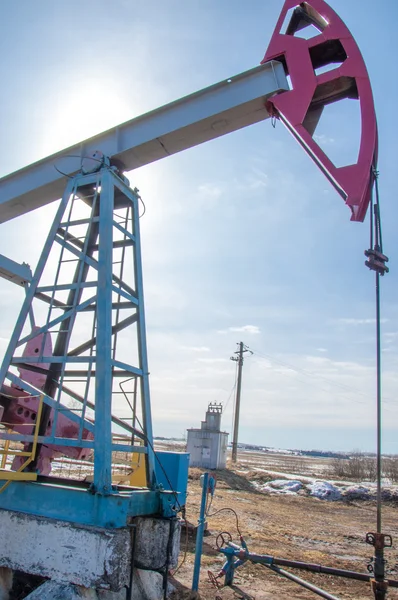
{"x": 76, "y": 505}
{"x": 172, "y": 472}
{"x": 59, "y": 441}
{"x": 104, "y": 504}
{"x": 103, "y": 379}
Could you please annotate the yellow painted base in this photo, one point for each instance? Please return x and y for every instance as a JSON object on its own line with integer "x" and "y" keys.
{"x": 17, "y": 476}
{"x": 137, "y": 477}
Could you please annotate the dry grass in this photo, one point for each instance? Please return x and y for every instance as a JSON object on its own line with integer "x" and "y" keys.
{"x": 293, "y": 527}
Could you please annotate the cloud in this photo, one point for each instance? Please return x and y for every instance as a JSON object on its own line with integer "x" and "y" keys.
{"x": 350, "y": 321}
{"x": 195, "y": 348}
{"x": 317, "y": 360}
{"x": 3, "y": 347}
{"x": 321, "y": 350}
{"x": 323, "y": 139}
{"x": 249, "y": 329}
{"x": 257, "y": 179}
{"x": 209, "y": 192}
{"x": 212, "y": 360}
{"x": 390, "y": 337}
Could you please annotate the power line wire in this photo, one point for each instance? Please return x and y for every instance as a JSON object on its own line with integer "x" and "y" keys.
{"x": 232, "y": 389}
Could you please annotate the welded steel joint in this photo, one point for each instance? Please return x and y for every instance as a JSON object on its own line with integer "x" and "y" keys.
{"x": 377, "y": 565}
{"x": 301, "y": 108}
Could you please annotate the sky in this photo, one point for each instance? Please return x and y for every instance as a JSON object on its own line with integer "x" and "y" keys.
{"x": 243, "y": 239}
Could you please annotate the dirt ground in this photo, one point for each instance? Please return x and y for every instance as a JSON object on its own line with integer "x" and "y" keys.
{"x": 294, "y": 527}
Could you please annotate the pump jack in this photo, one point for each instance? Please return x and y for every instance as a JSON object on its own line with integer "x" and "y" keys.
{"x": 97, "y": 226}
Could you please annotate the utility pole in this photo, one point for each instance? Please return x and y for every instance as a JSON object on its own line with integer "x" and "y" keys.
{"x": 239, "y": 359}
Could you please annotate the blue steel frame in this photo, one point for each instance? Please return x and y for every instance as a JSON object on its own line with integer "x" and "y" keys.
{"x": 200, "y": 532}
{"x": 103, "y": 363}
{"x": 208, "y": 487}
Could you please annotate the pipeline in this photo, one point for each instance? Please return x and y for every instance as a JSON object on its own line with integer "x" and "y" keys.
{"x": 302, "y": 582}
{"x": 268, "y": 560}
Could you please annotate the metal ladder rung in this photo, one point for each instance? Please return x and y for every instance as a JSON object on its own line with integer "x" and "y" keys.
{"x": 59, "y": 331}
{"x": 15, "y": 452}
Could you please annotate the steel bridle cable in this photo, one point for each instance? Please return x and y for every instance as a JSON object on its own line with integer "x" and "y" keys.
{"x": 186, "y": 544}
{"x": 151, "y": 446}
{"x": 227, "y": 509}
{"x": 379, "y": 245}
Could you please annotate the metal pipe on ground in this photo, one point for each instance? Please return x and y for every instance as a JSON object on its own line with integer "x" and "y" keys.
{"x": 302, "y": 582}
{"x": 267, "y": 560}
{"x": 314, "y": 568}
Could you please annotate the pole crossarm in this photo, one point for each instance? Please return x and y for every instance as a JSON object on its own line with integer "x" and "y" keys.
{"x": 205, "y": 115}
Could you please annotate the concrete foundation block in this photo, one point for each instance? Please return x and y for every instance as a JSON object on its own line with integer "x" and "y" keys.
{"x": 77, "y": 558}
{"x": 148, "y": 585}
{"x": 54, "y": 590}
{"x": 154, "y": 539}
{"x": 6, "y": 577}
{"x": 106, "y": 595}
{"x": 87, "y": 556}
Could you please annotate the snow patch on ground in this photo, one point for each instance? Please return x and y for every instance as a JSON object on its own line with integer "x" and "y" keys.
{"x": 324, "y": 490}
{"x": 358, "y": 492}
{"x": 282, "y": 486}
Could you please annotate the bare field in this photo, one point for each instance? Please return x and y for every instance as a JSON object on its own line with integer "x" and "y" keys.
{"x": 286, "y": 463}
{"x": 295, "y": 527}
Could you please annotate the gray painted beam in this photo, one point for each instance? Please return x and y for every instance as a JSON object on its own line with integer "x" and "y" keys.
{"x": 15, "y": 272}
{"x": 210, "y": 113}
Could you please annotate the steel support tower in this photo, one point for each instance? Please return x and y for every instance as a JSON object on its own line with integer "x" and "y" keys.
{"x": 90, "y": 356}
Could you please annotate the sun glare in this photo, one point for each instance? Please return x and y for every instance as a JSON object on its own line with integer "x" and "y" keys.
{"x": 84, "y": 112}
